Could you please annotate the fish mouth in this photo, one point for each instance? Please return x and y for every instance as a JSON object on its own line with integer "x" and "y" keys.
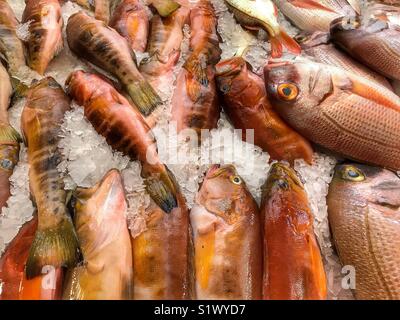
{"x": 344, "y": 24}
{"x": 230, "y": 66}
{"x": 283, "y": 172}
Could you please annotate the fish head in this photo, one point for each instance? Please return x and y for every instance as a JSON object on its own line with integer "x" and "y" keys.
{"x": 79, "y": 86}
{"x": 100, "y": 212}
{"x": 296, "y": 88}
{"x": 281, "y": 177}
{"x": 364, "y": 184}
{"x": 227, "y": 71}
{"x": 344, "y": 26}
{"x": 224, "y": 193}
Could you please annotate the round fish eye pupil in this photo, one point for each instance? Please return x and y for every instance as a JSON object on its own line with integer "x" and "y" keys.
{"x": 287, "y": 91}
{"x": 352, "y": 173}
{"x": 6, "y": 164}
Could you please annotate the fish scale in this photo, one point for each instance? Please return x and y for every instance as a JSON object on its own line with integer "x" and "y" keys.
{"x": 365, "y": 231}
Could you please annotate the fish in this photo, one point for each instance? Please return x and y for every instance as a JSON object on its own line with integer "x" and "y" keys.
{"x": 314, "y": 19}
{"x": 164, "y": 46}
{"x": 102, "y": 10}
{"x": 293, "y": 267}
{"x": 337, "y": 110}
{"x": 389, "y": 14}
{"x": 204, "y": 41}
{"x": 11, "y": 47}
{"x": 9, "y": 139}
{"x": 104, "y": 47}
{"x": 45, "y": 39}
{"x": 195, "y": 103}
{"x": 227, "y": 238}
{"x": 256, "y": 14}
{"x": 15, "y": 286}
{"x": 375, "y": 45}
{"x": 55, "y": 242}
{"x": 125, "y": 131}
{"x": 195, "y": 106}
{"x": 130, "y": 20}
{"x": 318, "y": 47}
{"x": 246, "y": 103}
{"x": 390, "y": 2}
{"x": 363, "y": 211}
{"x": 163, "y": 254}
{"x": 100, "y": 221}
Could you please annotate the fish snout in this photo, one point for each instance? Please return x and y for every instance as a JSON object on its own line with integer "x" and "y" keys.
{"x": 346, "y": 23}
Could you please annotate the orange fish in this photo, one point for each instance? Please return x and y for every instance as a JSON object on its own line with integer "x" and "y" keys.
{"x": 293, "y": 268}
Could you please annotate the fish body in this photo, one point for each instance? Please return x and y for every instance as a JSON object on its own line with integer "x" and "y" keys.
{"x": 363, "y": 209}
{"x": 131, "y": 21}
{"x": 45, "y": 32}
{"x": 55, "y": 242}
{"x": 125, "y": 130}
{"x": 11, "y": 47}
{"x": 247, "y": 106}
{"x": 256, "y": 14}
{"x": 15, "y": 286}
{"x": 162, "y": 255}
{"x": 318, "y": 47}
{"x": 227, "y": 238}
{"x": 164, "y": 46}
{"x": 194, "y": 105}
{"x": 293, "y": 268}
{"x": 375, "y": 45}
{"x": 94, "y": 41}
{"x": 9, "y": 139}
{"x": 102, "y": 10}
{"x": 338, "y": 110}
{"x": 100, "y": 221}
{"x": 314, "y": 19}
{"x": 204, "y": 41}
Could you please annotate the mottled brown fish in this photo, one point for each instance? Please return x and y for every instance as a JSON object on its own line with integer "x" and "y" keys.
{"x": 92, "y": 40}
{"x": 45, "y": 32}
{"x": 293, "y": 268}
{"x": 100, "y": 221}
{"x": 227, "y": 238}
{"x": 9, "y": 139}
{"x": 11, "y": 47}
{"x": 164, "y": 46}
{"x": 125, "y": 130}
{"x": 131, "y": 20}
{"x": 318, "y": 46}
{"x": 247, "y": 106}
{"x": 363, "y": 207}
{"x": 102, "y": 10}
{"x": 55, "y": 242}
{"x": 311, "y": 19}
{"x": 376, "y": 44}
{"x": 338, "y": 110}
{"x": 162, "y": 255}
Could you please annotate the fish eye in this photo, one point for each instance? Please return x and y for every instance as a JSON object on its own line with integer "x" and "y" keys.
{"x": 301, "y": 38}
{"x": 288, "y": 91}
{"x": 225, "y": 88}
{"x": 6, "y": 164}
{"x": 353, "y": 174}
{"x": 236, "y": 180}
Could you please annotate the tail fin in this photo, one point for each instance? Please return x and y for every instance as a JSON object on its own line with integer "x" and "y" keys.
{"x": 57, "y": 247}
{"x": 165, "y": 7}
{"x": 283, "y": 39}
{"x": 19, "y": 87}
{"x": 198, "y": 69}
{"x": 9, "y": 135}
{"x": 144, "y": 97}
{"x": 163, "y": 189}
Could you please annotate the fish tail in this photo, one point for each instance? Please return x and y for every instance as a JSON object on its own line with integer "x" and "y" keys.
{"x": 165, "y": 7}
{"x": 8, "y": 134}
{"x": 195, "y": 67}
{"x": 20, "y": 88}
{"x": 282, "y": 39}
{"x": 56, "y": 246}
{"x": 163, "y": 189}
{"x": 144, "y": 96}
